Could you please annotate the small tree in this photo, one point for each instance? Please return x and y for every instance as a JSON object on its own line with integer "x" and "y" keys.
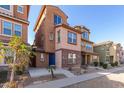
{"x": 51, "y": 69}
{"x": 2, "y": 52}
{"x": 20, "y": 55}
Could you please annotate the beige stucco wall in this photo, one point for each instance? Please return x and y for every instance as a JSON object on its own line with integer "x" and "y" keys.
{"x": 58, "y": 55}
{"x": 113, "y": 53}
{"x": 64, "y": 40}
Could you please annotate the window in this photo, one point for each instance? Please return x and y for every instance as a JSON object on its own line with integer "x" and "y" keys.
{"x": 85, "y": 35}
{"x": 57, "y": 20}
{"x": 58, "y": 36}
{"x": 71, "y": 58}
{"x": 51, "y": 36}
{"x": 42, "y": 57}
{"x": 7, "y": 7}
{"x": 7, "y": 28}
{"x": 107, "y": 58}
{"x": 82, "y": 44}
{"x": 20, "y": 9}
{"x": 72, "y": 38}
{"x": 17, "y": 30}
{"x": 88, "y": 47}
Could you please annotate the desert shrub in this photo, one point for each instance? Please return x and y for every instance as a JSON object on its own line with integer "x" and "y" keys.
{"x": 116, "y": 63}
{"x": 10, "y": 85}
{"x": 105, "y": 65}
{"x": 20, "y": 70}
{"x": 101, "y": 63}
{"x": 112, "y": 64}
{"x": 95, "y": 64}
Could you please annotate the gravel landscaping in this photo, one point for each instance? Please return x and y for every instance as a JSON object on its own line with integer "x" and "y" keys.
{"x": 114, "y": 80}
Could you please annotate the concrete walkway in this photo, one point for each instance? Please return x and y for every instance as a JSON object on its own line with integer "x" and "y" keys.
{"x": 37, "y": 72}
{"x": 72, "y": 80}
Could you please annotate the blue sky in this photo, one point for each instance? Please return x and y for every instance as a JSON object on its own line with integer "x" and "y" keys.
{"x": 105, "y": 22}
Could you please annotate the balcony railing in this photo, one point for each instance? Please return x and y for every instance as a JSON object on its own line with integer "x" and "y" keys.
{"x": 86, "y": 50}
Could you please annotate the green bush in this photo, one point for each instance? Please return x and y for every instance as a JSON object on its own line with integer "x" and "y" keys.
{"x": 101, "y": 63}
{"x": 95, "y": 64}
{"x": 116, "y": 63}
{"x": 3, "y": 76}
{"x": 112, "y": 64}
{"x": 20, "y": 70}
{"x": 105, "y": 65}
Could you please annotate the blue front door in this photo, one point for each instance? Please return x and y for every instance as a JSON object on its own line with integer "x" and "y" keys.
{"x": 51, "y": 59}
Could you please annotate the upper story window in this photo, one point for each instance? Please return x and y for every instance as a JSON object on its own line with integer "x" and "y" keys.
{"x": 59, "y": 36}
{"x": 72, "y": 38}
{"x": 17, "y": 30}
{"x": 82, "y": 44}
{"x": 7, "y": 28}
{"x": 20, "y": 9}
{"x": 7, "y": 7}
{"x": 51, "y": 36}
{"x": 85, "y": 35}
{"x": 88, "y": 47}
{"x": 57, "y": 20}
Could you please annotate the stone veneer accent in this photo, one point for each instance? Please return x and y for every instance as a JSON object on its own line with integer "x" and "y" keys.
{"x": 65, "y": 58}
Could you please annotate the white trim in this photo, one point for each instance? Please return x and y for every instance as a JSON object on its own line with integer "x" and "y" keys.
{"x": 7, "y": 9}
{"x": 3, "y": 28}
{"x": 22, "y": 9}
{"x": 27, "y": 22}
{"x": 14, "y": 28}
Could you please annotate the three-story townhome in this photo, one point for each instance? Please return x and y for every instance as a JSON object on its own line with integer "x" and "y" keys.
{"x": 14, "y": 21}
{"x": 57, "y": 43}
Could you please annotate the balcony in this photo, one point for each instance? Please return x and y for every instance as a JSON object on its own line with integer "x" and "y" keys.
{"x": 86, "y": 50}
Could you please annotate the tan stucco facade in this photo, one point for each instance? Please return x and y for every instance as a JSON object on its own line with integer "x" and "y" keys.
{"x": 45, "y": 26}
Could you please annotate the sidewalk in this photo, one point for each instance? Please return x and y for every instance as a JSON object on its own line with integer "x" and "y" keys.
{"x": 37, "y": 72}
{"x": 72, "y": 80}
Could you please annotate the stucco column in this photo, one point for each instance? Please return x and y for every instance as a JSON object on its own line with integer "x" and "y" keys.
{"x": 97, "y": 58}
{"x": 91, "y": 59}
{"x": 85, "y": 59}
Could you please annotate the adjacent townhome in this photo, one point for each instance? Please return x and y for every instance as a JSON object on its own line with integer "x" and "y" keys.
{"x": 121, "y": 55}
{"x": 109, "y": 51}
{"x": 14, "y": 21}
{"x": 58, "y": 43}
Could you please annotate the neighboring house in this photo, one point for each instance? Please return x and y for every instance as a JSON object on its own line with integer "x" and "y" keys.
{"x": 14, "y": 21}
{"x": 108, "y": 51}
{"x": 121, "y": 55}
{"x": 57, "y": 43}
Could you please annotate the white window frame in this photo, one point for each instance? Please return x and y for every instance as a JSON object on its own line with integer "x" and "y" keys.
{"x": 73, "y": 57}
{"x": 72, "y": 37}
{"x": 51, "y": 36}
{"x": 57, "y": 19}
{"x": 22, "y": 9}
{"x": 3, "y": 28}
{"x": 42, "y": 57}
{"x": 21, "y": 28}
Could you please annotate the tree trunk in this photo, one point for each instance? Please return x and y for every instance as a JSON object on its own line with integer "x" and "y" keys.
{"x": 13, "y": 71}
{"x": 12, "y": 75}
{"x": 52, "y": 73}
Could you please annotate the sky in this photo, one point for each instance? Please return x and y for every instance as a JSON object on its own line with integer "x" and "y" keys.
{"x": 105, "y": 22}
